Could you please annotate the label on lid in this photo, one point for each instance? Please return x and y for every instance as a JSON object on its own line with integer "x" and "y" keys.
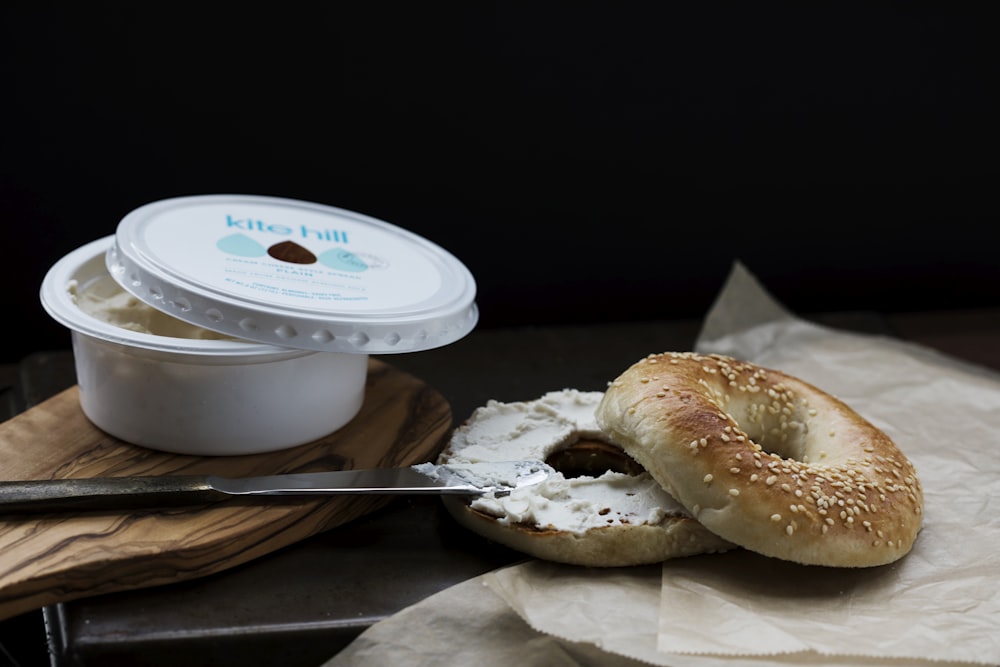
{"x": 285, "y": 256}
{"x": 293, "y": 273}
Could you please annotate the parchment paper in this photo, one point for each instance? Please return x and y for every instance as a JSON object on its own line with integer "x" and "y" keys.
{"x": 939, "y": 605}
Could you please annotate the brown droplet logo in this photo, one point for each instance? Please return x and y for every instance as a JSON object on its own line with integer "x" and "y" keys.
{"x": 293, "y": 253}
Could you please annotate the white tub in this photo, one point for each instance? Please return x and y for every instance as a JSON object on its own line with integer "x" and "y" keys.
{"x": 293, "y": 295}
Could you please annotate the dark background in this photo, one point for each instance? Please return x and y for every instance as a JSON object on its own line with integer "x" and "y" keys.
{"x": 589, "y": 161}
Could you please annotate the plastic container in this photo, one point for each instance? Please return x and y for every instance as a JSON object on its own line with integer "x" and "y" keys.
{"x": 256, "y": 318}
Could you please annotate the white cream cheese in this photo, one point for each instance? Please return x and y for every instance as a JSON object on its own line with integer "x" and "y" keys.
{"x": 534, "y": 430}
{"x": 579, "y": 504}
{"x": 105, "y": 300}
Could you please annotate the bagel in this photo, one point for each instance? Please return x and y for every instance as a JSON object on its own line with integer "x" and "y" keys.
{"x": 597, "y": 508}
{"x": 765, "y": 460}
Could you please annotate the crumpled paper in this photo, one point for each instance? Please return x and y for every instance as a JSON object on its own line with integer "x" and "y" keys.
{"x": 942, "y": 601}
{"x": 940, "y": 605}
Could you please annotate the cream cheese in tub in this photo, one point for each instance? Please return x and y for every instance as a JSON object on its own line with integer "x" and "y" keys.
{"x": 232, "y": 324}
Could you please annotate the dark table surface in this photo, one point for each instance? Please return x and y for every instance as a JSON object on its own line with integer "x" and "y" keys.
{"x": 302, "y": 604}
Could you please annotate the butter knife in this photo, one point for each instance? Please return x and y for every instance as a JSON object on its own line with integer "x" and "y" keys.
{"x": 117, "y": 493}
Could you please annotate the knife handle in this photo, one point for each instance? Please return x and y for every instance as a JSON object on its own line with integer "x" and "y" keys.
{"x": 105, "y": 493}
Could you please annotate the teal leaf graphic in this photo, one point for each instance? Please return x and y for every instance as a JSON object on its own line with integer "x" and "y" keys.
{"x": 342, "y": 260}
{"x": 241, "y": 245}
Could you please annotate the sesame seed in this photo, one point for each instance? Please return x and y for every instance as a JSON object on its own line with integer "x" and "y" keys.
{"x": 707, "y": 478}
{"x": 734, "y": 492}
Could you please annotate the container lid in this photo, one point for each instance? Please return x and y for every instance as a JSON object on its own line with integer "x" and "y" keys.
{"x": 293, "y": 273}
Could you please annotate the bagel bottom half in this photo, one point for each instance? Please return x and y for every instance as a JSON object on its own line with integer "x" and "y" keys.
{"x": 598, "y": 508}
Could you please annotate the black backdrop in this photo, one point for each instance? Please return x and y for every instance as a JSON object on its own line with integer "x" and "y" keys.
{"x": 588, "y": 161}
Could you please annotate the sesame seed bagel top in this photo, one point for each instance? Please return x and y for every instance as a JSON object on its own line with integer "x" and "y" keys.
{"x": 766, "y": 460}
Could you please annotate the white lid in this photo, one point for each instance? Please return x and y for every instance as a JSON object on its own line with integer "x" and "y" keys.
{"x": 293, "y": 273}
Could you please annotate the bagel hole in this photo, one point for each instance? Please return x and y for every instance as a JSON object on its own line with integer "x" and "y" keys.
{"x": 773, "y": 437}
{"x": 592, "y": 458}
{"x": 781, "y": 450}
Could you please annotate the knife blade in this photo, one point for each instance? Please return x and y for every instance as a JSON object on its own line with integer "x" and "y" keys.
{"x": 115, "y": 493}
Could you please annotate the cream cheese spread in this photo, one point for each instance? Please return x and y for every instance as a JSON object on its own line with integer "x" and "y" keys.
{"x": 534, "y": 430}
{"x": 105, "y": 300}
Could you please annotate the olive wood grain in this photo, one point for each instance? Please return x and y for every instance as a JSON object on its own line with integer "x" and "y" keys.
{"x": 52, "y": 558}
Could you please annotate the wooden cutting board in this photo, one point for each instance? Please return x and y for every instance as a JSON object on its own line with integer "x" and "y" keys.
{"x": 52, "y": 558}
